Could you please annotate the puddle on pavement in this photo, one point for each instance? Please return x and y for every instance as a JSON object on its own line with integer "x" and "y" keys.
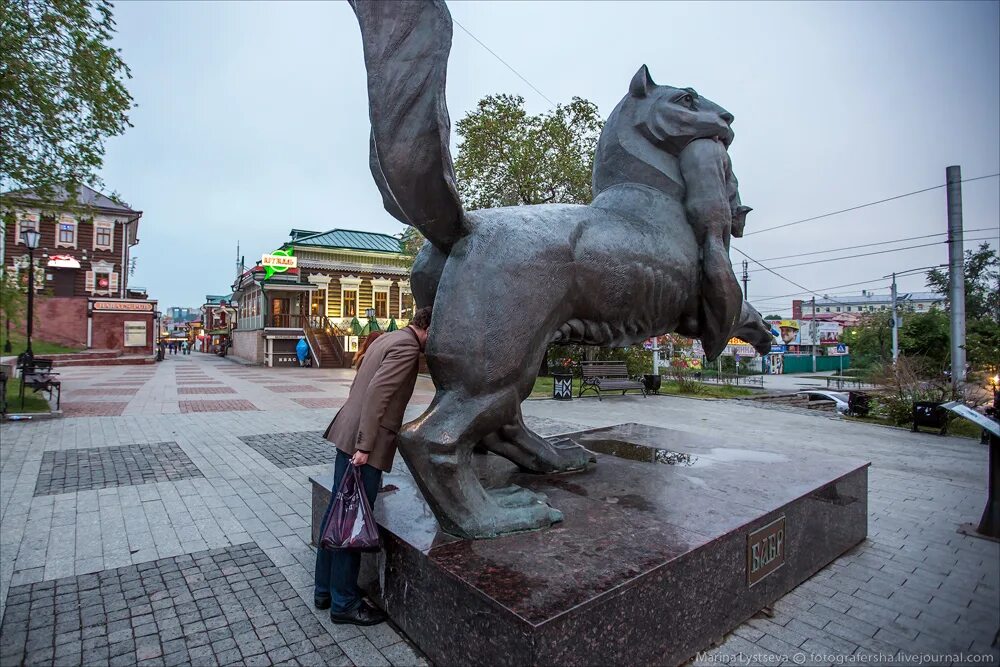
{"x": 634, "y": 452}
{"x": 651, "y": 454}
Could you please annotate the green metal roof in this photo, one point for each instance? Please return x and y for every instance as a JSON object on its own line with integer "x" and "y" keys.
{"x": 350, "y": 239}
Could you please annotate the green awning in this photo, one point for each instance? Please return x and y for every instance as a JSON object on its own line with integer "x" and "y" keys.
{"x": 355, "y": 327}
{"x": 392, "y": 325}
{"x": 372, "y": 325}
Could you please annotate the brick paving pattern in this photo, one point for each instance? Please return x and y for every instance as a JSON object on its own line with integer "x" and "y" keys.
{"x": 215, "y": 406}
{"x": 205, "y": 390}
{"x": 73, "y": 470}
{"x": 108, "y": 390}
{"x": 320, "y": 403}
{"x": 292, "y": 450}
{"x": 915, "y": 586}
{"x": 291, "y": 388}
{"x": 214, "y": 607}
{"x": 93, "y": 409}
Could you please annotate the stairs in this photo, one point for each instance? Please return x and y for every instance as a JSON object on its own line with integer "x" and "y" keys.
{"x": 326, "y": 348}
{"x": 98, "y": 358}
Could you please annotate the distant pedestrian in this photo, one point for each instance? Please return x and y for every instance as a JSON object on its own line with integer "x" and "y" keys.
{"x": 184, "y": 347}
{"x": 302, "y": 351}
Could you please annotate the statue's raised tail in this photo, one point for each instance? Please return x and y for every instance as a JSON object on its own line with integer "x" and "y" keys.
{"x": 406, "y": 45}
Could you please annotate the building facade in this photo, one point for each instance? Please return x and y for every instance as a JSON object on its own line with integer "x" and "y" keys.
{"x": 338, "y": 276}
{"x": 85, "y": 241}
{"x": 869, "y": 302}
{"x": 81, "y": 268}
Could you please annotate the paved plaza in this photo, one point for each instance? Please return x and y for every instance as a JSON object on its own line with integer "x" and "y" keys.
{"x": 164, "y": 520}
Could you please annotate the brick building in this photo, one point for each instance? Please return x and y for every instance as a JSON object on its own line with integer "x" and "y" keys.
{"x": 81, "y": 268}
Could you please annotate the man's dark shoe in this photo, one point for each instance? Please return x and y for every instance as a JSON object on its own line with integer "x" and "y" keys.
{"x": 363, "y": 614}
{"x": 321, "y": 603}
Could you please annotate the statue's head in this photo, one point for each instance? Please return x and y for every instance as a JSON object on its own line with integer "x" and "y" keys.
{"x": 754, "y": 330}
{"x": 647, "y": 131}
{"x": 673, "y": 117}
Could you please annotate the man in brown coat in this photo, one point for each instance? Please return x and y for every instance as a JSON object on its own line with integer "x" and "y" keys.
{"x": 364, "y": 432}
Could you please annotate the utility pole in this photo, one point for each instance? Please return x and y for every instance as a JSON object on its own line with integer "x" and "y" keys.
{"x": 956, "y": 276}
{"x": 746, "y": 279}
{"x": 894, "y": 323}
{"x": 239, "y": 267}
{"x": 812, "y": 333}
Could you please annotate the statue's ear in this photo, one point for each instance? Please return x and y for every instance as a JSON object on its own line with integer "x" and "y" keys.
{"x": 641, "y": 83}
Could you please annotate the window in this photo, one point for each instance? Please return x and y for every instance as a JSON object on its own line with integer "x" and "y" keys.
{"x": 23, "y": 224}
{"x": 102, "y": 281}
{"x": 838, "y": 309}
{"x": 405, "y": 305}
{"x": 102, "y": 236}
{"x": 382, "y": 304}
{"x": 920, "y": 306}
{"x": 66, "y": 234}
{"x": 349, "y": 307}
{"x": 317, "y": 303}
{"x": 848, "y": 309}
{"x": 828, "y": 310}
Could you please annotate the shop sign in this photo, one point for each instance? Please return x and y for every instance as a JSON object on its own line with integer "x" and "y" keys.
{"x": 124, "y": 306}
{"x": 135, "y": 334}
{"x": 278, "y": 261}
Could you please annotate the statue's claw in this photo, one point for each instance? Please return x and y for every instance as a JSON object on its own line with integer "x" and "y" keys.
{"x": 515, "y": 496}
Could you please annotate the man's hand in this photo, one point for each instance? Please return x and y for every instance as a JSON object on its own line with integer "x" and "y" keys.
{"x": 360, "y": 458}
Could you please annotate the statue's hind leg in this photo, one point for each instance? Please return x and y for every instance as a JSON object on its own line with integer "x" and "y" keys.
{"x": 516, "y": 442}
{"x": 437, "y": 448}
{"x": 519, "y": 444}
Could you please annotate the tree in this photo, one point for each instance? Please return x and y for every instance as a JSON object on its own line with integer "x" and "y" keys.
{"x": 982, "y": 304}
{"x": 510, "y": 158}
{"x": 12, "y": 301}
{"x": 62, "y": 91}
{"x": 982, "y": 283}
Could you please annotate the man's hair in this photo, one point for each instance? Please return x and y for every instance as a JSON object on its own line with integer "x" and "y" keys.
{"x": 422, "y": 318}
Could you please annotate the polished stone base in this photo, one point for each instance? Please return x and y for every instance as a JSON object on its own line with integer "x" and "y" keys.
{"x": 670, "y": 542}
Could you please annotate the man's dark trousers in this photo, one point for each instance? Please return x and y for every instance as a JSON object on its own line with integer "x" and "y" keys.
{"x": 337, "y": 571}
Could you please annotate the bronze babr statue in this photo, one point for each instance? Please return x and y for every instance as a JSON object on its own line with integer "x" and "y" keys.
{"x": 649, "y": 255}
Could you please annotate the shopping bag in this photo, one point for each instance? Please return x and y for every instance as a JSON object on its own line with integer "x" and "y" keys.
{"x": 351, "y": 525}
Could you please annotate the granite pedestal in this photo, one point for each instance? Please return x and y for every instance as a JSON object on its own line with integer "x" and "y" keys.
{"x": 670, "y": 542}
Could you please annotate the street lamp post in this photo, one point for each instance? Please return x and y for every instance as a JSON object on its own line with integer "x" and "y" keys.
{"x": 31, "y": 237}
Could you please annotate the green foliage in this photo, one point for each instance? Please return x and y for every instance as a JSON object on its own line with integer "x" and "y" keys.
{"x": 637, "y": 360}
{"x": 39, "y": 347}
{"x": 33, "y": 402}
{"x": 62, "y": 90}
{"x": 982, "y": 283}
{"x": 411, "y": 241}
{"x": 12, "y": 299}
{"x": 982, "y": 304}
{"x": 510, "y": 158}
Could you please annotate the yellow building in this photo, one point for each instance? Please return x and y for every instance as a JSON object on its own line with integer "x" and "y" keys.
{"x": 338, "y": 276}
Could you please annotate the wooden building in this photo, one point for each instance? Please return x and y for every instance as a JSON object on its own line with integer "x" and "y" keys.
{"x": 339, "y": 274}
{"x": 80, "y": 267}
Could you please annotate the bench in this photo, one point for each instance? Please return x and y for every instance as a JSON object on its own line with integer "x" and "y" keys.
{"x": 601, "y": 376}
{"x": 37, "y": 374}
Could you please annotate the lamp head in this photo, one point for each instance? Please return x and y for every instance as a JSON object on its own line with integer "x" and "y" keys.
{"x": 31, "y": 237}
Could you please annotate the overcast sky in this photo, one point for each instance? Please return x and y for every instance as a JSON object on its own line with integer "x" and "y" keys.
{"x": 252, "y": 120}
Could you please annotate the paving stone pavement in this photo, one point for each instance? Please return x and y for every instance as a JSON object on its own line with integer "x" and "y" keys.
{"x": 915, "y": 585}
{"x": 75, "y": 470}
{"x": 292, "y": 450}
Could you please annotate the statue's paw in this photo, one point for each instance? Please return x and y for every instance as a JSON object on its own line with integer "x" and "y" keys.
{"x": 570, "y": 456}
{"x": 515, "y": 496}
{"x": 528, "y": 517}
